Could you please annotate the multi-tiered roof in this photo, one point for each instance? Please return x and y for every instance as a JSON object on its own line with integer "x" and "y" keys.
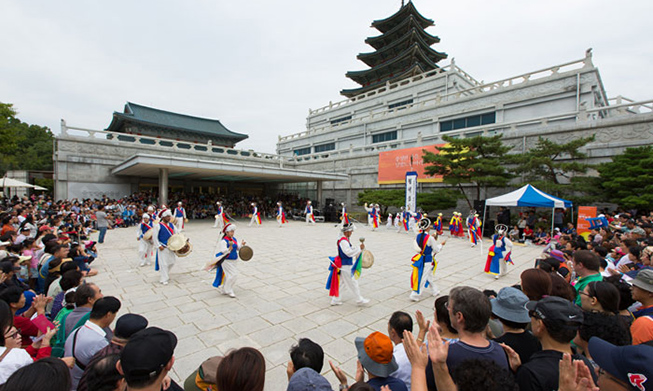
{"x": 402, "y": 50}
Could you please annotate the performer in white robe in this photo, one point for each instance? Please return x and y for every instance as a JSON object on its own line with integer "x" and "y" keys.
{"x": 219, "y": 217}
{"x": 256, "y": 216}
{"x": 165, "y": 258}
{"x": 145, "y": 247}
{"x": 424, "y": 263}
{"x": 388, "y": 224}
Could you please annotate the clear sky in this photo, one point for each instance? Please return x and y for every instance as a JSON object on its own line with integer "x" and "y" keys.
{"x": 258, "y": 66}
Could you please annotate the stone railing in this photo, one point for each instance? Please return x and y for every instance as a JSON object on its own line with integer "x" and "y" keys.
{"x": 207, "y": 149}
{"x": 622, "y": 100}
{"x": 594, "y": 114}
{"x": 441, "y": 98}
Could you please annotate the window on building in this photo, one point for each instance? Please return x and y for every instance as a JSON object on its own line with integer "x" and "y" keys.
{"x": 325, "y": 147}
{"x": 382, "y": 137}
{"x": 341, "y": 119}
{"x": 302, "y": 151}
{"x": 468, "y": 122}
{"x": 399, "y": 104}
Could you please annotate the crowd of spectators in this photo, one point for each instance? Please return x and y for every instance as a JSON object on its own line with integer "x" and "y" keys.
{"x": 580, "y": 319}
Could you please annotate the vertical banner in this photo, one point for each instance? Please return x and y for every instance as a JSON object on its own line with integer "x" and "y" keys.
{"x": 411, "y": 191}
{"x": 584, "y": 213}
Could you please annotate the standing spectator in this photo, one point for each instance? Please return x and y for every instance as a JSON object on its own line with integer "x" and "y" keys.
{"x": 555, "y": 322}
{"x": 535, "y": 283}
{"x": 503, "y": 217}
{"x": 241, "y": 369}
{"x": 102, "y": 222}
{"x": 85, "y": 296}
{"x": 623, "y": 367}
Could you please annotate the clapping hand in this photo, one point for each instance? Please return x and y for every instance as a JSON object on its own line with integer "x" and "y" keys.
{"x": 438, "y": 349}
{"x": 416, "y": 352}
{"x": 574, "y": 375}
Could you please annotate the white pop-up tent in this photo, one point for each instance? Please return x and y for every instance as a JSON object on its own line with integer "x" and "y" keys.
{"x": 528, "y": 196}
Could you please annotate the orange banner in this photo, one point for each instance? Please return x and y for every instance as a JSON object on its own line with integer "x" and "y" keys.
{"x": 585, "y": 212}
{"x": 393, "y": 165}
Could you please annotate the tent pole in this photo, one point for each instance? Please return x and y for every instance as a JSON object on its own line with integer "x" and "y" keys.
{"x": 483, "y": 226}
{"x": 552, "y": 219}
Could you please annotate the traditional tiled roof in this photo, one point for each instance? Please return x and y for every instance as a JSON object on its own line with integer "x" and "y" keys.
{"x": 148, "y": 116}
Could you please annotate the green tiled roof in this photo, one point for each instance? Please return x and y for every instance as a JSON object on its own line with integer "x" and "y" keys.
{"x": 149, "y": 116}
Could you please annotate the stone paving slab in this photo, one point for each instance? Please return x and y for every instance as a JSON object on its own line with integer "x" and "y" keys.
{"x": 281, "y": 293}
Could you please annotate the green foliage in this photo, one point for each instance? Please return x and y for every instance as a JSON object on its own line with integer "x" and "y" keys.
{"x": 550, "y": 166}
{"x": 478, "y": 160}
{"x": 628, "y": 179}
{"x": 23, "y": 146}
{"x": 432, "y": 200}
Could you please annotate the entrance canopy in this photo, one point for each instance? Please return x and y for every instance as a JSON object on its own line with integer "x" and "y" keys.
{"x": 143, "y": 165}
{"x": 528, "y": 196}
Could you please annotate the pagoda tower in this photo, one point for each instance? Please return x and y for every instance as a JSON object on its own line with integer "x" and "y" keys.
{"x": 402, "y": 50}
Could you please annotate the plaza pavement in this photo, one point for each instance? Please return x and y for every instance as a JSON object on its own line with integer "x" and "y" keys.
{"x": 281, "y": 293}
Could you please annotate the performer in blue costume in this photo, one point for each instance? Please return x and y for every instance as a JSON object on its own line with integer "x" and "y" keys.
{"x": 165, "y": 258}
{"x": 499, "y": 253}
{"x": 342, "y": 270}
{"x": 226, "y": 261}
{"x": 180, "y": 215}
{"x": 424, "y": 263}
{"x": 310, "y": 218}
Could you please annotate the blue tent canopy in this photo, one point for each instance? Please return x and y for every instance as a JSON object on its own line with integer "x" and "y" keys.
{"x": 529, "y": 196}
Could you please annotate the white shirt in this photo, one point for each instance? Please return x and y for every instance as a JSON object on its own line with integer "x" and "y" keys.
{"x": 404, "y": 368}
{"x": 349, "y": 250}
{"x": 15, "y": 359}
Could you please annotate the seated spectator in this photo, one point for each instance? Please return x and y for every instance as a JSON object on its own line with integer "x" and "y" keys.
{"x": 84, "y": 342}
{"x": 600, "y": 296}
{"x": 399, "y": 322}
{"x": 304, "y": 367}
{"x": 535, "y": 283}
{"x": 475, "y": 375}
{"x": 442, "y": 320}
{"x": 586, "y": 266}
{"x": 13, "y": 357}
{"x": 126, "y": 326}
{"x": 509, "y": 308}
{"x": 102, "y": 374}
{"x": 15, "y": 298}
{"x": 47, "y": 374}
{"x": 642, "y": 290}
{"x": 240, "y": 369}
{"x": 514, "y": 234}
{"x": 606, "y": 326}
{"x": 469, "y": 311}
{"x": 622, "y": 367}
{"x": 555, "y": 322}
{"x": 375, "y": 357}
{"x": 148, "y": 357}
{"x": 55, "y": 287}
{"x": 625, "y": 298}
{"x": 71, "y": 279}
{"x": 528, "y": 234}
{"x": 203, "y": 379}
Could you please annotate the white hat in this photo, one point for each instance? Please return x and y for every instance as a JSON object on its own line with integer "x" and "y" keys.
{"x": 166, "y": 213}
{"x": 348, "y": 227}
{"x": 218, "y": 203}
{"x": 229, "y": 227}
{"x": 308, "y": 202}
{"x": 179, "y": 203}
{"x": 150, "y": 208}
{"x": 146, "y": 216}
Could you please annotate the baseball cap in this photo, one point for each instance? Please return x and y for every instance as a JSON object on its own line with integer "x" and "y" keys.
{"x": 557, "y": 254}
{"x": 632, "y": 364}
{"x": 308, "y": 379}
{"x": 509, "y": 305}
{"x": 375, "y": 354}
{"x": 128, "y": 325}
{"x": 644, "y": 280}
{"x": 146, "y": 353}
{"x": 553, "y": 309}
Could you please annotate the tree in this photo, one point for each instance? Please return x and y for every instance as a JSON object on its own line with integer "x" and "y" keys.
{"x": 628, "y": 179}
{"x": 432, "y": 200}
{"x": 551, "y": 166}
{"x": 478, "y": 160}
{"x": 23, "y": 146}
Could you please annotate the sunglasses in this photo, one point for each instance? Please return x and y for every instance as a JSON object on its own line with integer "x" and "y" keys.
{"x": 12, "y": 335}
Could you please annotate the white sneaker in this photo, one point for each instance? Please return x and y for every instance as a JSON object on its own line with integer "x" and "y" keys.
{"x": 496, "y": 277}
{"x": 164, "y": 282}
{"x": 232, "y": 295}
{"x": 362, "y": 301}
{"x": 142, "y": 264}
{"x": 413, "y": 296}
{"x": 336, "y": 301}
{"x": 436, "y": 293}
